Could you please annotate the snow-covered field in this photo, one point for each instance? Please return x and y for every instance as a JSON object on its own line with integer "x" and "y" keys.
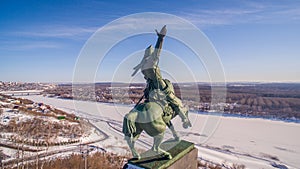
{"x": 256, "y": 143}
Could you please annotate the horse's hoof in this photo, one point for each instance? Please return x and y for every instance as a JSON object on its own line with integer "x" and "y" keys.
{"x": 168, "y": 156}
{"x": 177, "y": 138}
{"x": 136, "y": 157}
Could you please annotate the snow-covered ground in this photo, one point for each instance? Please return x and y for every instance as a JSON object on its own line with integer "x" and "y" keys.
{"x": 256, "y": 143}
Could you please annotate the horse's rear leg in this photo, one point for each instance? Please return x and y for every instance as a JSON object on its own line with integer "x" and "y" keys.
{"x": 131, "y": 141}
{"x": 157, "y": 141}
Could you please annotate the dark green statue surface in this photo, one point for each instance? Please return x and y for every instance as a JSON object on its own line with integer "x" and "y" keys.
{"x": 160, "y": 105}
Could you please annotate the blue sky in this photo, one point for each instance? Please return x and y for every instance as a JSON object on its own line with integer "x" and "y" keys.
{"x": 256, "y": 40}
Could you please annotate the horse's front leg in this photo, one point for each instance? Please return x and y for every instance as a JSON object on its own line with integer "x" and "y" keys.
{"x": 157, "y": 141}
{"x": 171, "y": 127}
{"x": 131, "y": 141}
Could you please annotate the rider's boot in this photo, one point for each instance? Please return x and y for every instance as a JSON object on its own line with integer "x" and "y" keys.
{"x": 174, "y": 101}
{"x": 177, "y": 106}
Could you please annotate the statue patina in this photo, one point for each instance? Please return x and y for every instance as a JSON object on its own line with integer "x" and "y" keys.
{"x": 160, "y": 105}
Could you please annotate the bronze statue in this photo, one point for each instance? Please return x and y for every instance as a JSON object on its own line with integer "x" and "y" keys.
{"x": 160, "y": 105}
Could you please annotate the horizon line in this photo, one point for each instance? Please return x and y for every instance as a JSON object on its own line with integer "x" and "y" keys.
{"x": 145, "y": 82}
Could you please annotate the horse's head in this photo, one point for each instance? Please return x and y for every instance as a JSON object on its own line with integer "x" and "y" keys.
{"x": 186, "y": 121}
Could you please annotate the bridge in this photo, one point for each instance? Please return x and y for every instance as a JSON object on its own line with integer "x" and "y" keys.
{"x": 22, "y": 92}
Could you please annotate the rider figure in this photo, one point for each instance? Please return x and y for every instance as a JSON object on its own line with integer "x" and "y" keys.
{"x": 158, "y": 89}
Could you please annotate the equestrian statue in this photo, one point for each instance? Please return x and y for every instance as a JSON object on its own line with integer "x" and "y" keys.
{"x": 159, "y": 107}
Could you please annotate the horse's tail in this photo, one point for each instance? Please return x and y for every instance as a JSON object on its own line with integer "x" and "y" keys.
{"x": 129, "y": 127}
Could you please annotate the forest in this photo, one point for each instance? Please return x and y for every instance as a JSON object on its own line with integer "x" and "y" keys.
{"x": 271, "y": 100}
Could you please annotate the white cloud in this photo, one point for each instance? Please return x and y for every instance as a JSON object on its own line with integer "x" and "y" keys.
{"x": 145, "y": 21}
{"x": 44, "y": 37}
{"x": 248, "y": 12}
{"x": 70, "y": 32}
{"x": 38, "y": 45}
{"x": 28, "y": 45}
{"x": 205, "y": 18}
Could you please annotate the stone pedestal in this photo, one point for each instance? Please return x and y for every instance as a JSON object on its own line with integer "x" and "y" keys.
{"x": 183, "y": 152}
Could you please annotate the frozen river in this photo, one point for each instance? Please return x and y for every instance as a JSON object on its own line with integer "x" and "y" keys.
{"x": 256, "y": 143}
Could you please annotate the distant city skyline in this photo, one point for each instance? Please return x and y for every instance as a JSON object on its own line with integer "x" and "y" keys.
{"x": 257, "y": 41}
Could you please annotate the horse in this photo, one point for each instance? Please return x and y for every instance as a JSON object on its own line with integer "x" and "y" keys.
{"x": 152, "y": 118}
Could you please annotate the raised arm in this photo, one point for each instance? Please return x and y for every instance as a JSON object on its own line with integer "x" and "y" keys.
{"x": 151, "y": 57}
{"x": 159, "y": 42}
